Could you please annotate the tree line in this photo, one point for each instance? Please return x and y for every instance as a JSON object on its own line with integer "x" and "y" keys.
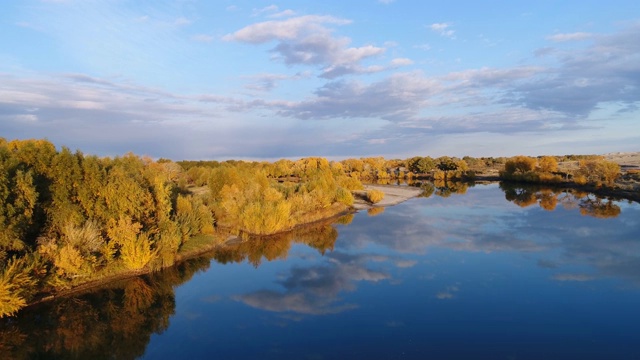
{"x": 68, "y": 218}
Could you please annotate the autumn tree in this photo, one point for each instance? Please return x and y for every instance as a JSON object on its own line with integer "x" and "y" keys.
{"x": 520, "y": 165}
{"x": 548, "y": 164}
{"x": 598, "y": 172}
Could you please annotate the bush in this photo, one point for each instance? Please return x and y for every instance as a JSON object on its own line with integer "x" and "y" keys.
{"x": 344, "y": 196}
{"x": 15, "y": 286}
{"x": 580, "y": 179}
{"x": 375, "y": 196}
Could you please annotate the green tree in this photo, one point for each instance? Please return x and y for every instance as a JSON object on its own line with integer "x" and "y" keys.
{"x": 421, "y": 165}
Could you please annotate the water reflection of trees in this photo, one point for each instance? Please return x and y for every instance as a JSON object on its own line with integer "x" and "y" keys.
{"x": 321, "y": 236}
{"x": 117, "y": 321}
{"x": 114, "y": 322}
{"x": 442, "y": 187}
{"x": 549, "y": 198}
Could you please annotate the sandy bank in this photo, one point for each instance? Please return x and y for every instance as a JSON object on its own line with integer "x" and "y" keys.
{"x": 392, "y": 195}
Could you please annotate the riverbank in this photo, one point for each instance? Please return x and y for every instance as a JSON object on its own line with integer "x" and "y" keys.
{"x": 202, "y": 244}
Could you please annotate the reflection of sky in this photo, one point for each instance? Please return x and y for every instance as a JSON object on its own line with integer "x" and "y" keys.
{"x": 468, "y": 276}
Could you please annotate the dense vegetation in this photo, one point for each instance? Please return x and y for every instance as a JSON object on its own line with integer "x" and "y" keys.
{"x": 69, "y": 218}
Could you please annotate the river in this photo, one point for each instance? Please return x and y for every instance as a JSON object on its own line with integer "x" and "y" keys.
{"x": 484, "y": 272}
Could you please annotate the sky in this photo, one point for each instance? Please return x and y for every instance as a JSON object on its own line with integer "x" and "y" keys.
{"x": 264, "y": 80}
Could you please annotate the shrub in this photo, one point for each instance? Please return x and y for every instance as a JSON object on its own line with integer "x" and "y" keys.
{"x": 344, "y": 196}
{"x": 70, "y": 261}
{"x": 15, "y": 286}
{"x": 375, "y": 196}
{"x": 550, "y": 178}
{"x": 520, "y": 164}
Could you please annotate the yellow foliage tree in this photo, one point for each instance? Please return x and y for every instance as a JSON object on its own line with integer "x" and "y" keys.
{"x": 137, "y": 253}
{"x": 520, "y": 165}
{"x": 548, "y": 164}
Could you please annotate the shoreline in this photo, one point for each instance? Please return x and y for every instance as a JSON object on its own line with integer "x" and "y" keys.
{"x": 394, "y": 195}
{"x": 215, "y": 241}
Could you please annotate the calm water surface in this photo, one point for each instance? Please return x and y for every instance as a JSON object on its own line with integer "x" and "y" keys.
{"x": 489, "y": 274}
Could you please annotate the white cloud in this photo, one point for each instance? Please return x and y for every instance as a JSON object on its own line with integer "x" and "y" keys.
{"x": 444, "y": 29}
{"x": 606, "y": 71}
{"x": 267, "y": 82}
{"x": 289, "y": 29}
{"x": 272, "y": 11}
{"x": 577, "y": 36}
{"x": 308, "y": 40}
{"x": 283, "y": 13}
{"x": 269, "y": 8}
{"x": 397, "y": 97}
{"x": 401, "y": 62}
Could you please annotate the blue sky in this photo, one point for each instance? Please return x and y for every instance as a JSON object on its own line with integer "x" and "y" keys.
{"x": 187, "y": 79}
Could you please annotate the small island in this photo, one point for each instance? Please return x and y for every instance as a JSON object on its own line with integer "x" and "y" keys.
{"x": 71, "y": 220}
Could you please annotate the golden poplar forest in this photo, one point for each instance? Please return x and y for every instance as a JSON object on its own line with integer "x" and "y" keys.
{"x": 67, "y": 218}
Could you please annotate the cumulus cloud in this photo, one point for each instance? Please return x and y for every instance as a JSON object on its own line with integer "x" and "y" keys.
{"x": 307, "y": 40}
